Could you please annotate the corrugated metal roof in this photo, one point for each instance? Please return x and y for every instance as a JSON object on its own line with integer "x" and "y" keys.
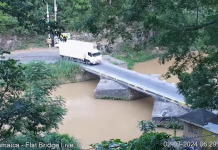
{"x": 214, "y": 120}
{"x": 198, "y": 116}
{"x": 211, "y": 127}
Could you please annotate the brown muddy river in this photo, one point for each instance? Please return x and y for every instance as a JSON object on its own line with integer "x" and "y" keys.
{"x": 153, "y": 67}
{"x": 91, "y": 120}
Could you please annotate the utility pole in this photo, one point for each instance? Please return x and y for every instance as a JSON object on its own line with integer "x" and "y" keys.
{"x": 49, "y": 36}
{"x": 55, "y": 37}
{"x": 55, "y": 10}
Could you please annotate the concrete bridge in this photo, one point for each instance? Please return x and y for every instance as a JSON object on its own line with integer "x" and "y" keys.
{"x": 168, "y": 102}
{"x": 139, "y": 82}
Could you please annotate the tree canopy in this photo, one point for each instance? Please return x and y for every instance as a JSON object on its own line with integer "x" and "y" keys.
{"x": 25, "y": 98}
{"x": 31, "y": 15}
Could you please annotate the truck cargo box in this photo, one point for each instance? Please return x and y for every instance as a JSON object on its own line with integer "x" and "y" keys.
{"x": 75, "y": 49}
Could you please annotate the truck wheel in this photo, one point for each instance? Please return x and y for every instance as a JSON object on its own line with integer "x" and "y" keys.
{"x": 88, "y": 62}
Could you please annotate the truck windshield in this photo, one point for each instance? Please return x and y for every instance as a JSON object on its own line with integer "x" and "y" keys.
{"x": 96, "y": 54}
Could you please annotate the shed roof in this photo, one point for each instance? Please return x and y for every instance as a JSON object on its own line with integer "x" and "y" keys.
{"x": 214, "y": 120}
{"x": 199, "y": 117}
{"x": 211, "y": 127}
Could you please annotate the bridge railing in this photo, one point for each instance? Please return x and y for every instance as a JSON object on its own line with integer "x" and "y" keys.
{"x": 135, "y": 87}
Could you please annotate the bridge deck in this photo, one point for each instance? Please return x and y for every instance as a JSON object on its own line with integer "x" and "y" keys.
{"x": 140, "y": 82}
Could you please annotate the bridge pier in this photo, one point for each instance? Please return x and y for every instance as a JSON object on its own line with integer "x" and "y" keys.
{"x": 109, "y": 89}
{"x": 164, "y": 110}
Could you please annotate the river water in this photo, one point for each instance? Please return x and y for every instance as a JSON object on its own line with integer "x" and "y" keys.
{"x": 91, "y": 120}
{"x": 153, "y": 67}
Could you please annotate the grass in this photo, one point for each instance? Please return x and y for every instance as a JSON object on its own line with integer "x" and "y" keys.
{"x": 64, "y": 70}
{"x": 131, "y": 56}
{"x": 38, "y": 41}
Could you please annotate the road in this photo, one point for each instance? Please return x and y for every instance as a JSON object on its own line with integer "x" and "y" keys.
{"x": 161, "y": 88}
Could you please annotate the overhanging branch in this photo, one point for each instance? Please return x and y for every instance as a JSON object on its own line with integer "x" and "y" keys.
{"x": 193, "y": 28}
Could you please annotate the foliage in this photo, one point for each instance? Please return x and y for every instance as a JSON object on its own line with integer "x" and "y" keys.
{"x": 34, "y": 41}
{"x": 146, "y": 126}
{"x": 72, "y": 13}
{"x": 6, "y": 22}
{"x": 30, "y": 15}
{"x": 57, "y": 141}
{"x": 147, "y": 141}
{"x": 175, "y": 124}
{"x": 185, "y": 29}
{"x": 26, "y": 104}
{"x": 27, "y": 18}
{"x": 66, "y": 70}
{"x": 111, "y": 144}
{"x": 172, "y": 124}
{"x": 62, "y": 70}
{"x": 150, "y": 141}
{"x": 131, "y": 57}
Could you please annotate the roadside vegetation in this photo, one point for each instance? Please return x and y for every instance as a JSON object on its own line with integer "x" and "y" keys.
{"x": 62, "y": 71}
{"x": 131, "y": 57}
{"x": 65, "y": 71}
{"x": 32, "y": 42}
{"x": 9, "y": 27}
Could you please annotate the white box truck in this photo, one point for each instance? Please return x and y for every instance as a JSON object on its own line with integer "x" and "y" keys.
{"x": 80, "y": 51}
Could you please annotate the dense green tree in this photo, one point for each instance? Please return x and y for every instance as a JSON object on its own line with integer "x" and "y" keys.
{"x": 185, "y": 30}
{"x": 25, "y": 99}
{"x": 31, "y": 15}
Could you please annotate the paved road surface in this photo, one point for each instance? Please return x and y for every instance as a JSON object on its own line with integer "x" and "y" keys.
{"x": 159, "y": 87}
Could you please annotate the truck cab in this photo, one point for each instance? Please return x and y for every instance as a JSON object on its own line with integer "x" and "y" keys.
{"x": 94, "y": 56}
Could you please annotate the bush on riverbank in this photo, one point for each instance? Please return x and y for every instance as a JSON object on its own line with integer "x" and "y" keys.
{"x": 172, "y": 124}
{"x": 133, "y": 56}
{"x": 149, "y": 140}
{"x": 65, "y": 71}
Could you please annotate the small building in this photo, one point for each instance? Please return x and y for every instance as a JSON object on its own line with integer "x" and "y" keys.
{"x": 200, "y": 129}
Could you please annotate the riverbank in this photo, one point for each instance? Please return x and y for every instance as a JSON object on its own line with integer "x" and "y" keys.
{"x": 64, "y": 72}
{"x": 68, "y": 72}
{"x": 131, "y": 56}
